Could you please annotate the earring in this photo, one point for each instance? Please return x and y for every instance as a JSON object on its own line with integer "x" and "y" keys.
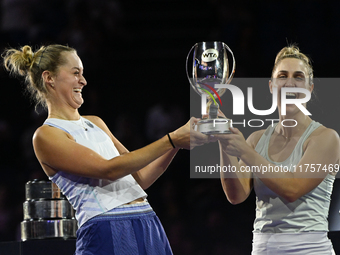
{"x": 52, "y": 85}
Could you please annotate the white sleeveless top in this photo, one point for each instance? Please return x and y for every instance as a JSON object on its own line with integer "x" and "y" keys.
{"x": 91, "y": 197}
{"x": 276, "y": 215}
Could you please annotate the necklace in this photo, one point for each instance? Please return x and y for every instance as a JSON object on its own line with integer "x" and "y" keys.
{"x": 79, "y": 122}
{"x": 285, "y": 136}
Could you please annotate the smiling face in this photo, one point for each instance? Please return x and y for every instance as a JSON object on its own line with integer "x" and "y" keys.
{"x": 290, "y": 72}
{"x": 69, "y": 81}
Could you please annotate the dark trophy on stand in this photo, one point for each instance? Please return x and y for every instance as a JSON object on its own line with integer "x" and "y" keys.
{"x": 210, "y": 67}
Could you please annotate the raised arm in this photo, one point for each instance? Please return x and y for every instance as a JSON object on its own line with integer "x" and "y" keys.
{"x": 321, "y": 157}
{"x": 237, "y": 184}
{"x": 57, "y": 151}
{"x": 150, "y": 173}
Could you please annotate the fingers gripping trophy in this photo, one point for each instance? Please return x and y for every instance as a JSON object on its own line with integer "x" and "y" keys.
{"x": 207, "y": 71}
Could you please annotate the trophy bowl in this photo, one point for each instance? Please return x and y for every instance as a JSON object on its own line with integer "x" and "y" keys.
{"x": 207, "y": 65}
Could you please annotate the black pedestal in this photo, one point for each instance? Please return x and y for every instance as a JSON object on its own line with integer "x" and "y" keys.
{"x": 39, "y": 247}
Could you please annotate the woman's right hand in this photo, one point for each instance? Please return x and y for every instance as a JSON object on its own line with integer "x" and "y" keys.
{"x": 186, "y": 137}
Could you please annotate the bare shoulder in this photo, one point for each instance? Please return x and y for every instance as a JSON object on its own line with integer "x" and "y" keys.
{"x": 47, "y": 142}
{"x": 323, "y": 135}
{"x": 48, "y": 132}
{"x": 325, "y": 140}
{"x": 46, "y": 135}
{"x": 322, "y": 130}
{"x": 255, "y": 137}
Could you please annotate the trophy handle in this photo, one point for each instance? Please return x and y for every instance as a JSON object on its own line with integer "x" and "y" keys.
{"x": 234, "y": 64}
{"x": 186, "y": 66}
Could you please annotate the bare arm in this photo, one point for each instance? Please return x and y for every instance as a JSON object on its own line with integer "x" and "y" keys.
{"x": 56, "y": 150}
{"x": 150, "y": 173}
{"x": 237, "y": 185}
{"x": 322, "y": 149}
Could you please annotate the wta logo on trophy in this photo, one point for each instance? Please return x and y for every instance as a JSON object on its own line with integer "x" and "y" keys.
{"x": 209, "y": 55}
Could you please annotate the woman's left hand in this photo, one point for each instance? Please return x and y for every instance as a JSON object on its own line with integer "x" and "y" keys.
{"x": 233, "y": 144}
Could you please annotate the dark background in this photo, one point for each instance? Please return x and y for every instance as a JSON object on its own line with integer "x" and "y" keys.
{"x": 134, "y": 58}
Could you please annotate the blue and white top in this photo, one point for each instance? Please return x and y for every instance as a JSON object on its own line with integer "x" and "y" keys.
{"x": 276, "y": 215}
{"x": 91, "y": 197}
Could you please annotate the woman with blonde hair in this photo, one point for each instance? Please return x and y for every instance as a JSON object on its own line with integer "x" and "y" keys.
{"x": 103, "y": 181}
{"x": 291, "y": 205}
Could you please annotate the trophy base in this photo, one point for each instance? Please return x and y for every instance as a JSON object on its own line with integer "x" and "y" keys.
{"x": 214, "y": 126}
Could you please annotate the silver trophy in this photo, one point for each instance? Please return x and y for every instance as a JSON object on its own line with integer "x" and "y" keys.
{"x": 208, "y": 68}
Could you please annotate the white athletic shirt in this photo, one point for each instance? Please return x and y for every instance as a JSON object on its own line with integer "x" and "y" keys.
{"x": 91, "y": 197}
{"x": 276, "y": 215}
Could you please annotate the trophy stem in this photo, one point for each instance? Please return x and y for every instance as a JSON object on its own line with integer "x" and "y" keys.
{"x": 213, "y": 111}
{"x": 214, "y": 124}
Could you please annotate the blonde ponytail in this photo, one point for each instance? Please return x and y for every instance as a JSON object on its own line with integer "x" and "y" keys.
{"x": 29, "y": 64}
